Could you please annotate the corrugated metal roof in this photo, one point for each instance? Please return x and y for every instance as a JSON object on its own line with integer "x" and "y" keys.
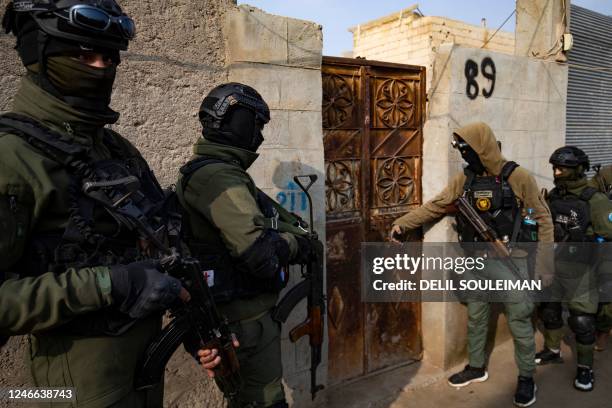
{"x": 589, "y": 89}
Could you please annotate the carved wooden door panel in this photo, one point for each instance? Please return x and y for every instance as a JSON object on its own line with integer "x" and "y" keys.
{"x": 372, "y": 124}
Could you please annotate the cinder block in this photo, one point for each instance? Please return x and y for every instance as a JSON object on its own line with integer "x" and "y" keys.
{"x": 305, "y": 40}
{"x": 276, "y": 131}
{"x": 279, "y": 85}
{"x": 255, "y": 36}
{"x": 305, "y": 130}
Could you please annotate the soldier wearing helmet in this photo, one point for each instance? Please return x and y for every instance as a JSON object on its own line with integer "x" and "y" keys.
{"x": 74, "y": 276}
{"x": 233, "y": 230}
{"x": 581, "y": 215}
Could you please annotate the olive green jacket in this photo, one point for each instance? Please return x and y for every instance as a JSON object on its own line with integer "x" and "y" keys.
{"x": 220, "y": 199}
{"x": 33, "y": 199}
{"x": 602, "y": 180}
{"x": 600, "y": 207}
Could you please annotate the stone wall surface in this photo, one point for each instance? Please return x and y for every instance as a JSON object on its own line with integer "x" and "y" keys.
{"x": 414, "y": 40}
{"x": 183, "y": 49}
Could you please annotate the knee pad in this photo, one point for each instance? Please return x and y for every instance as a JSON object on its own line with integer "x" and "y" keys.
{"x": 583, "y": 326}
{"x": 551, "y": 316}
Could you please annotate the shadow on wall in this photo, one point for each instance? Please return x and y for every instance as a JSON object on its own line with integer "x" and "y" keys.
{"x": 290, "y": 196}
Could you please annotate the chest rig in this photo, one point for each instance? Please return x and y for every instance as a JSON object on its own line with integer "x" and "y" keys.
{"x": 109, "y": 203}
{"x": 226, "y": 277}
{"x": 571, "y": 215}
{"x": 494, "y": 200}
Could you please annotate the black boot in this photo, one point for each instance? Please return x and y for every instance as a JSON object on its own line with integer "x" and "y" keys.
{"x": 468, "y": 376}
{"x": 548, "y": 356}
{"x": 525, "y": 392}
{"x": 585, "y": 380}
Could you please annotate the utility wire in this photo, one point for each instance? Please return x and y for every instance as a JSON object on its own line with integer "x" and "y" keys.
{"x": 499, "y": 28}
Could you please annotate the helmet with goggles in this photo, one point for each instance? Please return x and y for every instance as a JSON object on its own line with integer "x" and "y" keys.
{"x": 89, "y": 23}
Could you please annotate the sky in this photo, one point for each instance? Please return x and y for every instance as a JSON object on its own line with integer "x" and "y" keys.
{"x": 336, "y": 16}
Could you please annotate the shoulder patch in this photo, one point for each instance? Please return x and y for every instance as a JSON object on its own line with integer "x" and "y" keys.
{"x": 610, "y": 217}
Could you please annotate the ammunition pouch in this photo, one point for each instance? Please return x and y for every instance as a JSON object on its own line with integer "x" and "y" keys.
{"x": 260, "y": 269}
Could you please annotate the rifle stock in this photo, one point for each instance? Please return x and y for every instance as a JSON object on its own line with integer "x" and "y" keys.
{"x": 310, "y": 288}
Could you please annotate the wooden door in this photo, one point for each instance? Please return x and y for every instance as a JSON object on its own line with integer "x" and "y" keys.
{"x": 373, "y": 134}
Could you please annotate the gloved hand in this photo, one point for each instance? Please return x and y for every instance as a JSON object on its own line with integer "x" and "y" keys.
{"x": 140, "y": 289}
{"x": 304, "y": 250}
{"x": 396, "y": 234}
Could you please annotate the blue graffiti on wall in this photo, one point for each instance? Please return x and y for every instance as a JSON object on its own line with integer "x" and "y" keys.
{"x": 292, "y": 198}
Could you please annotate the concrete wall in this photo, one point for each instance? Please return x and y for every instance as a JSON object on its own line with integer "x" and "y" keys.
{"x": 183, "y": 49}
{"x": 526, "y": 110}
{"x": 540, "y": 25}
{"x": 407, "y": 38}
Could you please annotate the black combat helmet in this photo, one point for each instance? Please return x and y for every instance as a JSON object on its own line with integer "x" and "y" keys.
{"x": 89, "y": 23}
{"x": 234, "y": 114}
{"x": 570, "y": 156}
{"x": 572, "y": 163}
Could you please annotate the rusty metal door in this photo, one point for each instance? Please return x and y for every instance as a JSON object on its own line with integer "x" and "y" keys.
{"x": 373, "y": 115}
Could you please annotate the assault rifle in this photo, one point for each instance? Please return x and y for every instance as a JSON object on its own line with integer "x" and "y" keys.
{"x": 310, "y": 288}
{"x": 487, "y": 234}
{"x": 198, "y": 319}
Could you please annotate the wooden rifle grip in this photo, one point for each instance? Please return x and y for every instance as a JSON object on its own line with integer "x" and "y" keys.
{"x": 300, "y": 330}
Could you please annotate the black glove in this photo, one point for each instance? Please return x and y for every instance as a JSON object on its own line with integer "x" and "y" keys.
{"x": 140, "y": 289}
{"x": 304, "y": 251}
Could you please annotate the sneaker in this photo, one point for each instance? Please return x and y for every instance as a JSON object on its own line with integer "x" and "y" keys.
{"x": 525, "y": 392}
{"x": 584, "y": 379}
{"x": 468, "y": 376}
{"x": 548, "y": 356}
{"x": 601, "y": 340}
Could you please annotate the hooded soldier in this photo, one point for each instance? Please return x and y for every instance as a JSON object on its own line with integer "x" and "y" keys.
{"x": 74, "y": 275}
{"x": 507, "y": 191}
{"x": 234, "y": 232}
{"x": 582, "y": 217}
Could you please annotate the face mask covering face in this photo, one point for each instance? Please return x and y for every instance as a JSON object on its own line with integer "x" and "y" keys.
{"x": 74, "y": 78}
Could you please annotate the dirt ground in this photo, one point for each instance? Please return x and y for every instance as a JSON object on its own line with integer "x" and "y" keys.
{"x": 422, "y": 386}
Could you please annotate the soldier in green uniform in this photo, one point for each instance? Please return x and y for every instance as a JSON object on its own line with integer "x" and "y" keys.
{"x": 581, "y": 214}
{"x": 73, "y": 275}
{"x": 512, "y": 190}
{"x": 602, "y": 180}
{"x": 233, "y": 230}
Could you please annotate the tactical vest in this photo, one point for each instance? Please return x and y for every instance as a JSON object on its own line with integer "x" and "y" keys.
{"x": 571, "y": 215}
{"x": 495, "y": 201}
{"x": 95, "y": 235}
{"x": 226, "y": 278}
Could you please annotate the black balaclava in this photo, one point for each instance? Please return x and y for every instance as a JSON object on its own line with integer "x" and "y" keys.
{"x": 83, "y": 87}
{"x": 74, "y": 79}
{"x": 470, "y": 156}
{"x": 239, "y": 128}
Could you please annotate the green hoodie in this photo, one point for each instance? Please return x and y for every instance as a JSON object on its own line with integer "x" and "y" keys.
{"x": 220, "y": 199}
{"x": 33, "y": 200}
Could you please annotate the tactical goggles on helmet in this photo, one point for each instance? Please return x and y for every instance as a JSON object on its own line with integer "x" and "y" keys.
{"x": 261, "y": 110}
{"x": 459, "y": 144}
{"x": 84, "y": 16}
